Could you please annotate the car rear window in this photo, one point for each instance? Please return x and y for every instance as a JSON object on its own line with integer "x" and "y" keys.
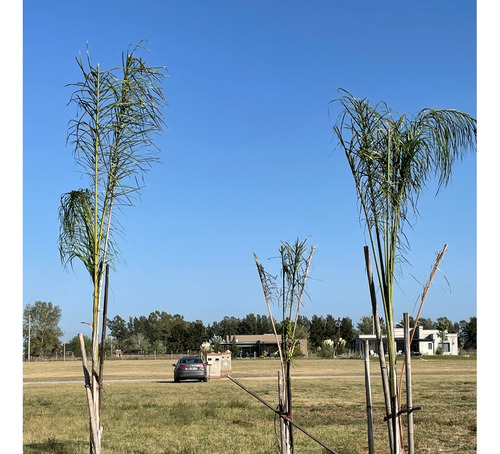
{"x": 194, "y": 361}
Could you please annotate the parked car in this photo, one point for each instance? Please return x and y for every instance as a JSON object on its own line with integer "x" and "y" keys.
{"x": 190, "y": 368}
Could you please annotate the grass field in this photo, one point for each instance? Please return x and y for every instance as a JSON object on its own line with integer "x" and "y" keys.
{"x": 161, "y": 417}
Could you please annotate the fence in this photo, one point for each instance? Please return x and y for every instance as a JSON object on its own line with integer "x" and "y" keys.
{"x": 172, "y": 356}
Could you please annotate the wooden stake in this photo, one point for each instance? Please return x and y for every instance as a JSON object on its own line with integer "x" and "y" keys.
{"x": 409, "y": 398}
{"x": 95, "y": 445}
{"x": 369, "y": 413}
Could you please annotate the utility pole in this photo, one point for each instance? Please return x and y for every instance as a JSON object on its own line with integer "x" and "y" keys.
{"x": 29, "y": 337}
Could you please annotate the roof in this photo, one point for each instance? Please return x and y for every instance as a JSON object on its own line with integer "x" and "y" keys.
{"x": 254, "y": 338}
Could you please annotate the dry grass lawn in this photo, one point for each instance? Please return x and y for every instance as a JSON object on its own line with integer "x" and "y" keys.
{"x": 159, "y": 416}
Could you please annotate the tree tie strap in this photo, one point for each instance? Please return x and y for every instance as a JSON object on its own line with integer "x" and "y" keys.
{"x": 400, "y": 412}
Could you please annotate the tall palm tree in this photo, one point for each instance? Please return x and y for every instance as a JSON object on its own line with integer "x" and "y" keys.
{"x": 391, "y": 160}
{"x": 119, "y": 111}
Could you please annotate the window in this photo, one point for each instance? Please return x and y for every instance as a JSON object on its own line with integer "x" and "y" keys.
{"x": 429, "y": 346}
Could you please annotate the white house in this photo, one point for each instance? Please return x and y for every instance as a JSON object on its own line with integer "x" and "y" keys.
{"x": 425, "y": 342}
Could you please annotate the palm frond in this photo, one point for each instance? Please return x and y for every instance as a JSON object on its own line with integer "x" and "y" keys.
{"x": 76, "y": 228}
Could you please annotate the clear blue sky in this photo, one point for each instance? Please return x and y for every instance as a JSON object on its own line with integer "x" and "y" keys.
{"x": 249, "y": 158}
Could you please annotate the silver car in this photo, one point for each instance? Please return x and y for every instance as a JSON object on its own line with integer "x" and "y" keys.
{"x": 190, "y": 368}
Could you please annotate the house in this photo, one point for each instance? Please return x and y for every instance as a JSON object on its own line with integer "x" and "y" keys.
{"x": 425, "y": 342}
{"x": 257, "y": 345}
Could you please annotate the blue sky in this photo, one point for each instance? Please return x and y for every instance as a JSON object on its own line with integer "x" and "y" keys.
{"x": 249, "y": 158}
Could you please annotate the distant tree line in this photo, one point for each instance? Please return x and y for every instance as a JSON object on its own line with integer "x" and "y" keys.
{"x": 161, "y": 332}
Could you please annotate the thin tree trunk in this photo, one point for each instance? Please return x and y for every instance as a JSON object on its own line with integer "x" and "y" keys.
{"x": 289, "y": 404}
{"x": 284, "y": 434}
{"x": 103, "y": 333}
{"x": 369, "y": 413}
{"x": 409, "y": 397}
{"x": 381, "y": 352}
{"x": 94, "y": 379}
{"x": 394, "y": 417}
{"x": 95, "y": 445}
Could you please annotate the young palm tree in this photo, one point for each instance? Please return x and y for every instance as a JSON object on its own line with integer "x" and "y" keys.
{"x": 391, "y": 160}
{"x": 295, "y": 266}
{"x": 119, "y": 111}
